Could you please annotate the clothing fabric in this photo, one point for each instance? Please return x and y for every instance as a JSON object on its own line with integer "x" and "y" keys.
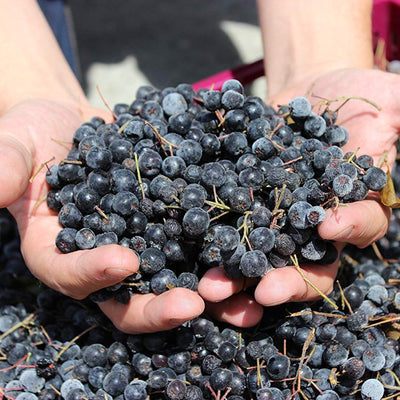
{"x": 55, "y": 13}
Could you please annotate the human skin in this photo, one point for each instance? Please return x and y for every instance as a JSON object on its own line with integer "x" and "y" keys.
{"x": 321, "y": 49}
{"x": 42, "y": 102}
{"x": 41, "y": 106}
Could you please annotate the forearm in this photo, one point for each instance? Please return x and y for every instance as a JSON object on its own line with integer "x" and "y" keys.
{"x": 303, "y": 38}
{"x": 31, "y": 62}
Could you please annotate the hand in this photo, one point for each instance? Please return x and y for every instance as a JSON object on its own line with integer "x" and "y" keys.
{"x": 371, "y": 130}
{"x": 27, "y": 138}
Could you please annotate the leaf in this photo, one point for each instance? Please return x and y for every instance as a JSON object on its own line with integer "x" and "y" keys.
{"x": 388, "y": 193}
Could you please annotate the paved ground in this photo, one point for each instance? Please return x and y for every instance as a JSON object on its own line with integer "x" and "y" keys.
{"x": 126, "y": 43}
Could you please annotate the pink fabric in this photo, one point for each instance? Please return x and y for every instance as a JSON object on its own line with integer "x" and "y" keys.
{"x": 386, "y": 25}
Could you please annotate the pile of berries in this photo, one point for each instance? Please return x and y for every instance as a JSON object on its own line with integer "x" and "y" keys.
{"x": 53, "y": 347}
{"x": 190, "y": 180}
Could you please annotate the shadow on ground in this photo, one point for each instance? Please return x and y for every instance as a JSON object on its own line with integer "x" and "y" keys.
{"x": 173, "y": 41}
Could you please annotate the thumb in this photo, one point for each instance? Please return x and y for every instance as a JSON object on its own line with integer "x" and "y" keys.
{"x": 360, "y": 223}
{"x": 16, "y": 165}
{"x": 80, "y": 273}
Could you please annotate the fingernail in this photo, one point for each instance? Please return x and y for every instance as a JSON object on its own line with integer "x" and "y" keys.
{"x": 344, "y": 234}
{"x": 177, "y": 322}
{"x": 278, "y": 299}
{"x": 117, "y": 273}
{"x": 272, "y": 297}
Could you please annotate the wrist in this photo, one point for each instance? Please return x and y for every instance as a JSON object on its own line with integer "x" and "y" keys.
{"x": 32, "y": 65}
{"x": 307, "y": 38}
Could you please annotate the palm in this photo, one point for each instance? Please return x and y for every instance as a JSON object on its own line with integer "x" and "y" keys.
{"x": 372, "y": 130}
{"x": 31, "y": 134}
{"x": 46, "y": 135}
{"x": 373, "y": 133}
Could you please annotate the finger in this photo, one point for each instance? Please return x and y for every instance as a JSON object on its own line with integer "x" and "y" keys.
{"x": 282, "y": 285}
{"x": 215, "y": 286}
{"x": 26, "y": 125}
{"x": 152, "y": 313}
{"x": 360, "y": 223}
{"x": 239, "y": 310}
{"x": 16, "y": 164}
{"x": 80, "y": 273}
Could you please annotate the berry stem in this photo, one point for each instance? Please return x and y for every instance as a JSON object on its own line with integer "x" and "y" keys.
{"x": 259, "y": 380}
{"x": 24, "y": 323}
{"x": 353, "y": 155}
{"x": 300, "y": 313}
{"x": 219, "y": 205}
{"x": 385, "y": 319}
{"x": 278, "y": 200}
{"x": 56, "y": 390}
{"x": 220, "y": 117}
{"x": 161, "y": 139}
{"x": 44, "y": 164}
{"x": 218, "y": 216}
{"x": 208, "y": 386}
{"x": 63, "y": 143}
{"x": 45, "y": 334}
{"x": 296, "y": 265}
{"x": 345, "y": 99}
{"x": 226, "y": 393}
{"x": 245, "y": 228}
{"x": 343, "y": 297}
{"x": 123, "y": 126}
{"x": 101, "y": 212}
{"x": 293, "y": 161}
{"x": 18, "y": 363}
{"x": 303, "y": 356}
{"x": 73, "y": 340}
{"x": 105, "y": 103}
{"x": 392, "y": 396}
{"x": 138, "y": 174}
{"x": 39, "y": 202}
{"x": 66, "y": 161}
{"x": 275, "y": 129}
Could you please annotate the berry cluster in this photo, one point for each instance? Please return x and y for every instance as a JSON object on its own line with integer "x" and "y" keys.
{"x": 54, "y": 347}
{"x": 194, "y": 180}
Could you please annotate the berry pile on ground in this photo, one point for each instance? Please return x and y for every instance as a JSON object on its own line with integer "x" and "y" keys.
{"x": 53, "y": 347}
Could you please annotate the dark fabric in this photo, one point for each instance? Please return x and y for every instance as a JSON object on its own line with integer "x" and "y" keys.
{"x": 54, "y": 11}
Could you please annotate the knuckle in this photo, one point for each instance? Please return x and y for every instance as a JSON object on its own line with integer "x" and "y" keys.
{"x": 123, "y": 326}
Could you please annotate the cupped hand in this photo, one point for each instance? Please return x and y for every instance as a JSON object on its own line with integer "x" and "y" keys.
{"x": 362, "y": 223}
{"x": 32, "y": 133}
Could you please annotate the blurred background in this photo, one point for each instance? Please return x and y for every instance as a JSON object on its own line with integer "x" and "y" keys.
{"x": 123, "y": 44}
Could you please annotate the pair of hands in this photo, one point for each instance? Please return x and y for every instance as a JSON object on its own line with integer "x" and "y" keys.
{"x": 28, "y": 134}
